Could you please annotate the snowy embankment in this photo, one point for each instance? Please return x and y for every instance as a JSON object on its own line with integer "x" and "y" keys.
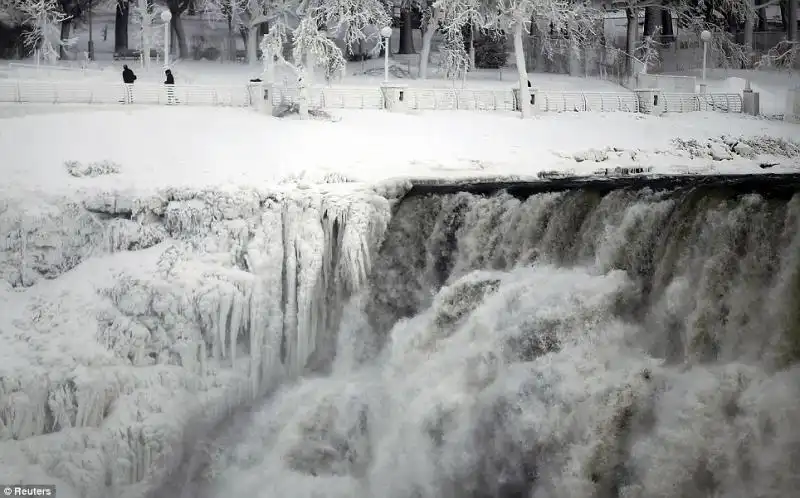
{"x": 202, "y": 147}
{"x": 183, "y": 261}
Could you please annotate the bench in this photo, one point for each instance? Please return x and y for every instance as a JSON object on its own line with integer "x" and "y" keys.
{"x": 133, "y": 54}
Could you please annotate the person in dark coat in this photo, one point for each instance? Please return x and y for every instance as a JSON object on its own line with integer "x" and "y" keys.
{"x": 127, "y": 75}
{"x": 170, "y": 82}
{"x": 128, "y": 78}
{"x": 533, "y": 98}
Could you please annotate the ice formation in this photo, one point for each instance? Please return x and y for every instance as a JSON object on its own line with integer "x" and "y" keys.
{"x": 208, "y": 300}
{"x": 638, "y": 344}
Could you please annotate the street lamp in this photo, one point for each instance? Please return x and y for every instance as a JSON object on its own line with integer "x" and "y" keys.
{"x": 386, "y": 33}
{"x": 705, "y": 37}
{"x": 166, "y": 16}
{"x": 90, "y": 48}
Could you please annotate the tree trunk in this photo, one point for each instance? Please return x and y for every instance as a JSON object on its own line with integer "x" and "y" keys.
{"x": 121, "y": 26}
{"x": 784, "y": 4}
{"x": 652, "y": 21}
{"x": 667, "y": 29}
{"x": 406, "y": 42}
{"x": 231, "y": 34}
{"x": 631, "y": 35}
{"x": 146, "y": 32}
{"x": 62, "y": 49}
{"x": 522, "y": 73}
{"x": 180, "y": 35}
{"x": 427, "y": 38}
{"x": 472, "y": 30}
{"x": 252, "y": 43}
{"x": 791, "y": 32}
{"x": 749, "y": 26}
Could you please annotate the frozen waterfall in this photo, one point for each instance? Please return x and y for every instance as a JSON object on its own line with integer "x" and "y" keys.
{"x": 580, "y": 344}
{"x": 637, "y": 344}
{"x": 229, "y": 293}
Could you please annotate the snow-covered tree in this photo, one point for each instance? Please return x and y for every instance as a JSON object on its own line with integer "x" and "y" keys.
{"x": 144, "y": 14}
{"x": 245, "y": 15}
{"x": 44, "y": 17}
{"x": 310, "y": 48}
{"x": 564, "y": 19}
{"x": 349, "y": 19}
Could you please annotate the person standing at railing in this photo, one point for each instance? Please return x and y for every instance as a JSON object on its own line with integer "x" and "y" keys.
{"x": 128, "y": 77}
{"x": 170, "y": 84}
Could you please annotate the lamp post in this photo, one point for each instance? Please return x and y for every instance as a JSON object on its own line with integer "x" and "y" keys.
{"x": 386, "y": 33}
{"x": 166, "y": 16}
{"x": 90, "y": 48}
{"x": 705, "y": 37}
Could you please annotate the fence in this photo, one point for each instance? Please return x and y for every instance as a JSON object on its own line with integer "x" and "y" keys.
{"x": 68, "y": 92}
{"x": 440, "y": 99}
{"x": 74, "y": 92}
{"x": 659, "y": 102}
{"x": 581, "y": 101}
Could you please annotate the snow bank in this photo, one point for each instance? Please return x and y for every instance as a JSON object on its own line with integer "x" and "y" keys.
{"x": 207, "y": 147}
{"x": 107, "y": 371}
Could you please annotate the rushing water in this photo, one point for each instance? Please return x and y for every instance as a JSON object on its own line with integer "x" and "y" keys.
{"x": 637, "y": 344}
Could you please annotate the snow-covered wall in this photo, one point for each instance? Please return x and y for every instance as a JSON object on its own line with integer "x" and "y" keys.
{"x": 180, "y": 306}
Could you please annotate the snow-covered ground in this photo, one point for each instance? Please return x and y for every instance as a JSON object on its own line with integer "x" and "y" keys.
{"x": 156, "y": 147}
{"x": 123, "y": 336}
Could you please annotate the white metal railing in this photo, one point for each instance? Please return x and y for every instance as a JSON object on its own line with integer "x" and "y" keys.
{"x": 75, "y": 92}
{"x": 415, "y": 98}
{"x": 51, "y": 67}
{"x": 693, "y": 102}
{"x": 97, "y": 92}
{"x": 586, "y": 101}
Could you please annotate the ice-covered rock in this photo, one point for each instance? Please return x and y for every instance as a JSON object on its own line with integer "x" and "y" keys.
{"x": 719, "y": 151}
{"x": 596, "y": 155}
{"x": 744, "y": 150}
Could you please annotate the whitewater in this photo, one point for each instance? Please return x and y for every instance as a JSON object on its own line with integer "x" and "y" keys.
{"x": 631, "y": 343}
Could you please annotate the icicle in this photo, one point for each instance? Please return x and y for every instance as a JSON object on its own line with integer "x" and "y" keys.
{"x": 224, "y": 311}
{"x": 238, "y": 305}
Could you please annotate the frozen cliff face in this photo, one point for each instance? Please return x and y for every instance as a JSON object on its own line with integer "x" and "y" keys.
{"x": 137, "y": 323}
